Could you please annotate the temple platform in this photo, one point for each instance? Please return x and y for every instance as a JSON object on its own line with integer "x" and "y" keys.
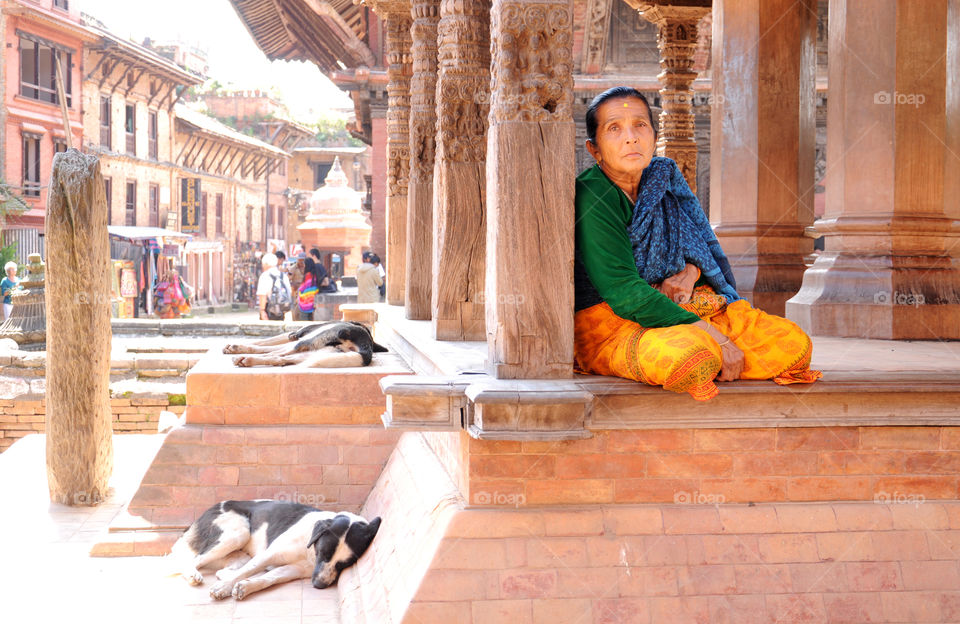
{"x": 836, "y": 501}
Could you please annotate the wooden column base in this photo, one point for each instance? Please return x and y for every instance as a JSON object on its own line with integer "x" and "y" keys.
{"x": 882, "y": 296}
{"x": 396, "y": 248}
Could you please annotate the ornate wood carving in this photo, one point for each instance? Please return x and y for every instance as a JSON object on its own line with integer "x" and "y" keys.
{"x": 399, "y": 70}
{"x": 532, "y": 61}
{"x": 596, "y": 33}
{"x": 423, "y": 130}
{"x": 530, "y": 192}
{"x": 677, "y": 42}
{"x": 463, "y": 88}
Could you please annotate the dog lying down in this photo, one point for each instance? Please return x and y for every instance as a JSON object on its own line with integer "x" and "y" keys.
{"x": 333, "y": 344}
{"x": 261, "y": 543}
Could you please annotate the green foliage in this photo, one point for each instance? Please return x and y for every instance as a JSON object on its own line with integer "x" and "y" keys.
{"x": 8, "y": 253}
{"x": 332, "y": 132}
{"x": 10, "y": 203}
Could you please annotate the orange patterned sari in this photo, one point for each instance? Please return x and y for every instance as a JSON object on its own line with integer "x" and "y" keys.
{"x": 684, "y": 358}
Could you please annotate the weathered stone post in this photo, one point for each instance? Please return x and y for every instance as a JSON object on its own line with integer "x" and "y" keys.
{"x": 79, "y": 434}
{"x": 397, "y": 25}
{"x": 423, "y": 132}
{"x": 530, "y": 190}
{"x": 459, "y": 217}
{"x": 763, "y": 143}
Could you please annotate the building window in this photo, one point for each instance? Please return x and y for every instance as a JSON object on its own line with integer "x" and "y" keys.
{"x": 108, "y": 192}
{"x": 130, "y": 127}
{"x": 131, "y": 205}
{"x": 62, "y": 4}
{"x": 320, "y": 171}
{"x": 269, "y": 221}
{"x": 219, "y": 214}
{"x": 31, "y": 165}
{"x": 280, "y": 233}
{"x": 249, "y": 223}
{"x": 105, "y": 121}
{"x": 154, "y": 205}
{"x": 203, "y": 215}
{"x": 38, "y": 72}
{"x": 152, "y": 135}
{"x": 59, "y": 145}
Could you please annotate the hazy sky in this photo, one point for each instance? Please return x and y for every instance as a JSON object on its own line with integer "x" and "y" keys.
{"x": 234, "y": 59}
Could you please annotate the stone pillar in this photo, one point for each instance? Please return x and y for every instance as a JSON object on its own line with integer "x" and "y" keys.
{"x": 459, "y": 191}
{"x": 530, "y": 190}
{"x": 79, "y": 431}
{"x": 399, "y": 68}
{"x": 891, "y": 268}
{"x": 677, "y": 42}
{"x": 423, "y": 128}
{"x": 763, "y": 143}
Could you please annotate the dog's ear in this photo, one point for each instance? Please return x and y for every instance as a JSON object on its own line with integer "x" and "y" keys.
{"x": 378, "y": 348}
{"x": 318, "y": 529}
{"x": 369, "y": 532}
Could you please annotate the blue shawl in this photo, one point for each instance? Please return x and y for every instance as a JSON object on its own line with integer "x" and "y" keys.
{"x": 669, "y": 229}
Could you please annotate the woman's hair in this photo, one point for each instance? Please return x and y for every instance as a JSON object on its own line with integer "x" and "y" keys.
{"x": 614, "y": 93}
{"x": 315, "y": 253}
{"x": 310, "y": 267}
{"x": 10, "y": 265}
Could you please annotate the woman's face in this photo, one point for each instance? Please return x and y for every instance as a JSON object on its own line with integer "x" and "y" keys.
{"x": 625, "y": 139}
{"x": 11, "y": 272}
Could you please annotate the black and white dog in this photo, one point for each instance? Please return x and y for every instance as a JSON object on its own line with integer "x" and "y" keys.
{"x": 264, "y": 542}
{"x": 320, "y": 345}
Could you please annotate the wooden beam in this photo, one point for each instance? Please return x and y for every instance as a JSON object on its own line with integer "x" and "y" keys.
{"x": 211, "y": 155}
{"x": 161, "y": 104}
{"x": 177, "y": 99}
{"x": 133, "y": 85}
{"x": 183, "y": 149}
{"x": 225, "y": 166}
{"x": 239, "y": 164}
{"x": 103, "y": 57}
{"x": 107, "y": 69}
{"x": 194, "y": 154}
{"x": 123, "y": 76}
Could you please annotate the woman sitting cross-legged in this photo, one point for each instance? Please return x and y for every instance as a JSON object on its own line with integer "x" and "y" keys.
{"x": 656, "y": 300}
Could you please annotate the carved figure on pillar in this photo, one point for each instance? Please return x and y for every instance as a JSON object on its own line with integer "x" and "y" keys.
{"x": 677, "y": 42}
{"x": 463, "y": 96}
{"x": 595, "y": 34}
{"x": 423, "y": 122}
{"x": 400, "y": 67}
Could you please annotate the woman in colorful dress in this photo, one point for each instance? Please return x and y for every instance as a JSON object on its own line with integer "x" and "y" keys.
{"x": 656, "y": 300}
{"x": 307, "y": 292}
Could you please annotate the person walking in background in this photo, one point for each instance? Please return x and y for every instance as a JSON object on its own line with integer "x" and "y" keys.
{"x": 307, "y": 292}
{"x": 273, "y": 290}
{"x": 368, "y": 279}
{"x": 383, "y": 276}
{"x": 324, "y": 283}
{"x": 7, "y": 285}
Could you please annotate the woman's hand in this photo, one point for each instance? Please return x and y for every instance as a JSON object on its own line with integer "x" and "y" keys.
{"x": 732, "y": 356}
{"x": 679, "y": 287}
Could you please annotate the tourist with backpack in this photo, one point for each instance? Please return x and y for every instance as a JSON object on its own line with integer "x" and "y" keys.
{"x": 273, "y": 290}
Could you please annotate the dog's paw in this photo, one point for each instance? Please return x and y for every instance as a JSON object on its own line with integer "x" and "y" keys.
{"x": 240, "y": 590}
{"x": 193, "y": 577}
{"x": 241, "y": 361}
{"x": 232, "y": 348}
{"x": 221, "y": 590}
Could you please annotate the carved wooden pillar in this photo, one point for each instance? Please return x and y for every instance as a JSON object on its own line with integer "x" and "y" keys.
{"x": 530, "y": 190}
{"x": 677, "y": 42}
{"x": 763, "y": 143}
{"x": 397, "y": 23}
{"x": 459, "y": 224}
{"x": 596, "y": 32}
{"x": 423, "y": 128}
{"x": 891, "y": 268}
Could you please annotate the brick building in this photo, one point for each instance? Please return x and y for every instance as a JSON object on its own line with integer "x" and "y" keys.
{"x": 38, "y": 35}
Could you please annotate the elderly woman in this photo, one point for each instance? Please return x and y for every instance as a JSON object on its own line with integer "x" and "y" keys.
{"x": 8, "y": 284}
{"x": 656, "y": 300}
